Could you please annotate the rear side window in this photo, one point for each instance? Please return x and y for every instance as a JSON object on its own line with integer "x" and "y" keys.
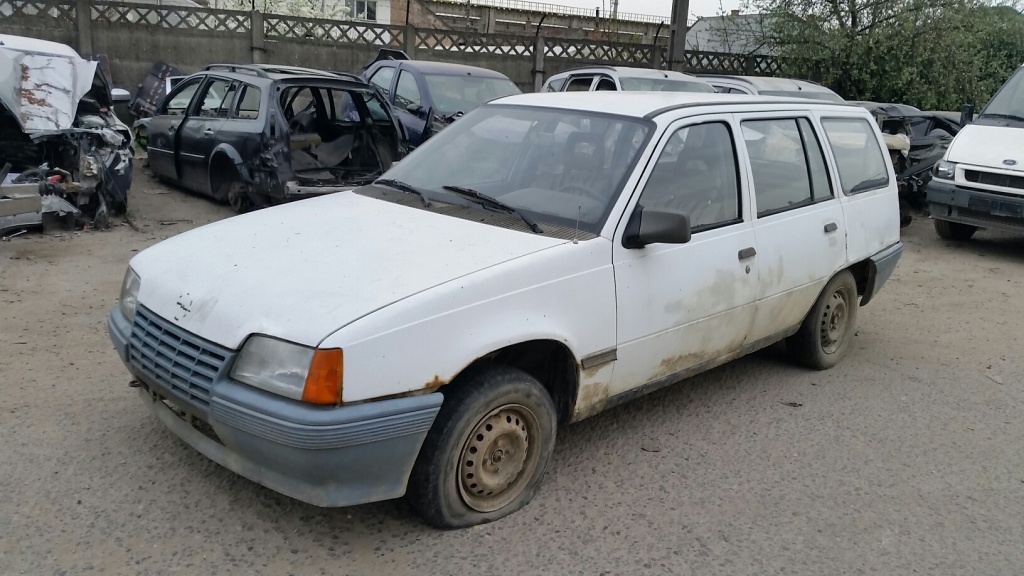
{"x": 580, "y": 84}
{"x": 606, "y": 84}
{"x": 249, "y": 102}
{"x": 861, "y": 163}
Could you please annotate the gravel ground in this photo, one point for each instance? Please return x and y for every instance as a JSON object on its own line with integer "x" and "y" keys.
{"x": 905, "y": 459}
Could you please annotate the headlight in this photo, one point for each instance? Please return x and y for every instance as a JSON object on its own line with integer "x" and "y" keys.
{"x": 129, "y": 294}
{"x": 945, "y": 170}
{"x": 290, "y": 370}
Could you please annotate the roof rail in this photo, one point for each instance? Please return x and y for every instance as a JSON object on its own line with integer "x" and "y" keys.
{"x": 597, "y": 66}
{"x": 239, "y": 68}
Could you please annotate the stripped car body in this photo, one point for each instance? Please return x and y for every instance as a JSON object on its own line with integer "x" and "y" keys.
{"x": 256, "y": 135}
{"x": 59, "y": 134}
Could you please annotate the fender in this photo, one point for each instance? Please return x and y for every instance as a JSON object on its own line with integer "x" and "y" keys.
{"x": 235, "y": 158}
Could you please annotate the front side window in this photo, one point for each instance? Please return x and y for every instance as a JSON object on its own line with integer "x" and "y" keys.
{"x": 382, "y": 79}
{"x": 407, "y": 92}
{"x": 696, "y": 174}
{"x": 558, "y": 166}
{"x": 859, "y": 159}
{"x": 215, "y": 98}
{"x": 786, "y": 163}
{"x": 177, "y": 102}
{"x": 451, "y": 94}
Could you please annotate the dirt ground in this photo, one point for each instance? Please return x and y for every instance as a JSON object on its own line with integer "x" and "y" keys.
{"x": 908, "y": 458}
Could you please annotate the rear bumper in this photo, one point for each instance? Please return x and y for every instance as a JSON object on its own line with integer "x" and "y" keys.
{"x": 880, "y": 267}
{"x": 948, "y": 201}
{"x": 325, "y": 456}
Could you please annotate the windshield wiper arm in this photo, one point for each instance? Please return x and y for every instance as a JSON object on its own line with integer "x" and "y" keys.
{"x": 484, "y": 199}
{"x": 1003, "y": 116}
{"x": 403, "y": 187}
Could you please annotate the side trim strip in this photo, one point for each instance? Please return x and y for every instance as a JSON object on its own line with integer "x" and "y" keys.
{"x": 599, "y": 358}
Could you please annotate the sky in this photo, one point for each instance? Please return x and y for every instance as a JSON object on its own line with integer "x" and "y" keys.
{"x": 656, "y": 7}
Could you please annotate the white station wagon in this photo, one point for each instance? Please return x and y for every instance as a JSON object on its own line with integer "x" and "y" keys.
{"x": 545, "y": 257}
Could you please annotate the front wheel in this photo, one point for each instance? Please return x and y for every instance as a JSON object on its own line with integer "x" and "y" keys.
{"x": 823, "y": 338}
{"x": 485, "y": 454}
{"x": 954, "y": 230}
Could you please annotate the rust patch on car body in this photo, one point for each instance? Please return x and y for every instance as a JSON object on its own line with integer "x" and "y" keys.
{"x": 437, "y": 382}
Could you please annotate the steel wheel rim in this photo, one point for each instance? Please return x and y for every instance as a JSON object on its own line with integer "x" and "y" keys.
{"x": 496, "y": 462}
{"x": 834, "y": 321}
{"x": 237, "y": 197}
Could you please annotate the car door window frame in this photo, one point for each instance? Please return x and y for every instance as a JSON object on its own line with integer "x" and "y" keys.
{"x": 419, "y": 93}
{"x": 243, "y": 91}
{"x": 181, "y": 87}
{"x": 391, "y": 81}
{"x": 601, "y": 77}
{"x": 816, "y": 130}
{"x": 591, "y": 77}
{"x": 198, "y": 102}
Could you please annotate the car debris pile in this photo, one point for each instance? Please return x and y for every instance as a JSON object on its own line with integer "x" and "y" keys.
{"x": 62, "y": 149}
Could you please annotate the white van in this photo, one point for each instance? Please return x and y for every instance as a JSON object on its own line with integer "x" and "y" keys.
{"x": 544, "y": 258}
{"x": 979, "y": 183}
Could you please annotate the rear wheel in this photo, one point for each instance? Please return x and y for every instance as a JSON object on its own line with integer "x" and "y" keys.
{"x": 823, "y": 338}
{"x": 954, "y": 230}
{"x": 485, "y": 454}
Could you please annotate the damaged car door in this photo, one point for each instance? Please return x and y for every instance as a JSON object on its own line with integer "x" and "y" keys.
{"x": 197, "y": 134}
{"x": 163, "y": 129}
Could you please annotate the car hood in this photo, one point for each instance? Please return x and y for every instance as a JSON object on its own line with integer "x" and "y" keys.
{"x": 981, "y": 145}
{"x": 306, "y": 269}
{"x": 42, "y": 89}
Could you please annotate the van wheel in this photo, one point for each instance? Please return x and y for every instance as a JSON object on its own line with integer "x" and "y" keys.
{"x": 487, "y": 450}
{"x": 954, "y": 230}
{"x": 823, "y": 338}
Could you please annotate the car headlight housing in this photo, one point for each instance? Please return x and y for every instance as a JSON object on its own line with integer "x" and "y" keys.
{"x": 290, "y": 370}
{"x": 945, "y": 170}
{"x": 129, "y": 294}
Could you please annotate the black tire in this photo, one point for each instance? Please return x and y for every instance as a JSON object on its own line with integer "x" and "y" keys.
{"x": 825, "y": 335}
{"x": 232, "y": 192}
{"x": 954, "y": 230}
{"x": 500, "y": 414}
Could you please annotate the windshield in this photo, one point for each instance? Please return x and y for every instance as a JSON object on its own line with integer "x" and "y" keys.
{"x": 1009, "y": 100}
{"x": 663, "y": 85}
{"x": 555, "y": 165}
{"x": 452, "y": 94}
{"x": 827, "y": 96}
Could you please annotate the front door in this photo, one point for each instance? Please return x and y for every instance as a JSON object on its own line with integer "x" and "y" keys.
{"x": 682, "y": 308}
{"x": 198, "y": 132}
{"x": 164, "y": 126}
{"x": 407, "y": 94}
{"x": 800, "y": 230}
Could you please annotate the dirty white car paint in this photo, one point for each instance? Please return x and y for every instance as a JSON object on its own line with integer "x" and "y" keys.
{"x": 413, "y": 296}
{"x": 42, "y": 82}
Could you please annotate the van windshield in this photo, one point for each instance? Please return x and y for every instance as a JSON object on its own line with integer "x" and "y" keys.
{"x": 1008, "y": 103}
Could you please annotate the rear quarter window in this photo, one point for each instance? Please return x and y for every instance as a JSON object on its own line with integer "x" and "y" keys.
{"x": 862, "y": 165}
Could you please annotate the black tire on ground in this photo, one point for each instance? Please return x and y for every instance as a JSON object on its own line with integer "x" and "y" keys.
{"x": 825, "y": 335}
{"x": 487, "y": 450}
{"x": 954, "y": 230}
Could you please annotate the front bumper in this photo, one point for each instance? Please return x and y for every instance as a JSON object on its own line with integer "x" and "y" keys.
{"x": 984, "y": 209}
{"x": 325, "y": 456}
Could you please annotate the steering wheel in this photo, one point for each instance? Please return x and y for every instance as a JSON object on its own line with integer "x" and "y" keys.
{"x": 580, "y": 190}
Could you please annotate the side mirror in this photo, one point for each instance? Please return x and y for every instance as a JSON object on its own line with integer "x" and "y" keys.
{"x": 120, "y": 96}
{"x": 966, "y": 115}
{"x": 656, "y": 226}
{"x": 415, "y": 109}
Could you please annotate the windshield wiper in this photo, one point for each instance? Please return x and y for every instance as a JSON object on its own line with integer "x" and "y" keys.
{"x": 403, "y": 187}
{"x": 1013, "y": 117}
{"x": 485, "y": 200}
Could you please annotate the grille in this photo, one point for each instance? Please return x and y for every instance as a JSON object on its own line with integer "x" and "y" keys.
{"x": 179, "y": 362}
{"x": 992, "y": 179}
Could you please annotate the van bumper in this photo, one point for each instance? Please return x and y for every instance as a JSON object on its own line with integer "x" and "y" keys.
{"x": 325, "y": 456}
{"x": 880, "y": 267}
{"x": 948, "y": 201}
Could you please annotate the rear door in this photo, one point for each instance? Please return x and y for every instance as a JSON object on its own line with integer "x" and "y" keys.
{"x": 799, "y": 225}
{"x": 198, "y": 132}
{"x": 163, "y": 128}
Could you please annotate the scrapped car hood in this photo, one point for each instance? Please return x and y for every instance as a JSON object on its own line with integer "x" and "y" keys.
{"x": 303, "y": 270}
{"x": 981, "y": 145}
{"x": 43, "y": 90}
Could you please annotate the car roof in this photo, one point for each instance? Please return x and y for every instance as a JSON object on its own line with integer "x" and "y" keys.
{"x": 770, "y": 82}
{"x": 446, "y": 68}
{"x": 272, "y": 72}
{"x": 631, "y": 72}
{"x": 649, "y": 104}
{"x": 24, "y": 44}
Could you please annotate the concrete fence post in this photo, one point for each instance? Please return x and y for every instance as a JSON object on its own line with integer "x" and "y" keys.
{"x": 83, "y": 20}
{"x": 258, "y": 37}
{"x": 538, "y": 63}
{"x": 410, "y": 41}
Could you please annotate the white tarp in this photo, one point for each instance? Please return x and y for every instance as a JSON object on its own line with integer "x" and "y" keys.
{"x": 40, "y": 87}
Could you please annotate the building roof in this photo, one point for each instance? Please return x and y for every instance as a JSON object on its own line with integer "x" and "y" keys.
{"x": 732, "y": 34}
{"x": 641, "y": 104}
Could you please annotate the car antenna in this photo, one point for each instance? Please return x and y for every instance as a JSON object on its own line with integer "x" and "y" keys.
{"x": 575, "y": 235}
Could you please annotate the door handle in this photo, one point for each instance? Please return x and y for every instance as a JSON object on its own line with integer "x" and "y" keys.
{"x": 747, "y": 253}
{"x": 208, "y": 132}
{"x": 172, "y": 129}
{"x": 831, "y": 227}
